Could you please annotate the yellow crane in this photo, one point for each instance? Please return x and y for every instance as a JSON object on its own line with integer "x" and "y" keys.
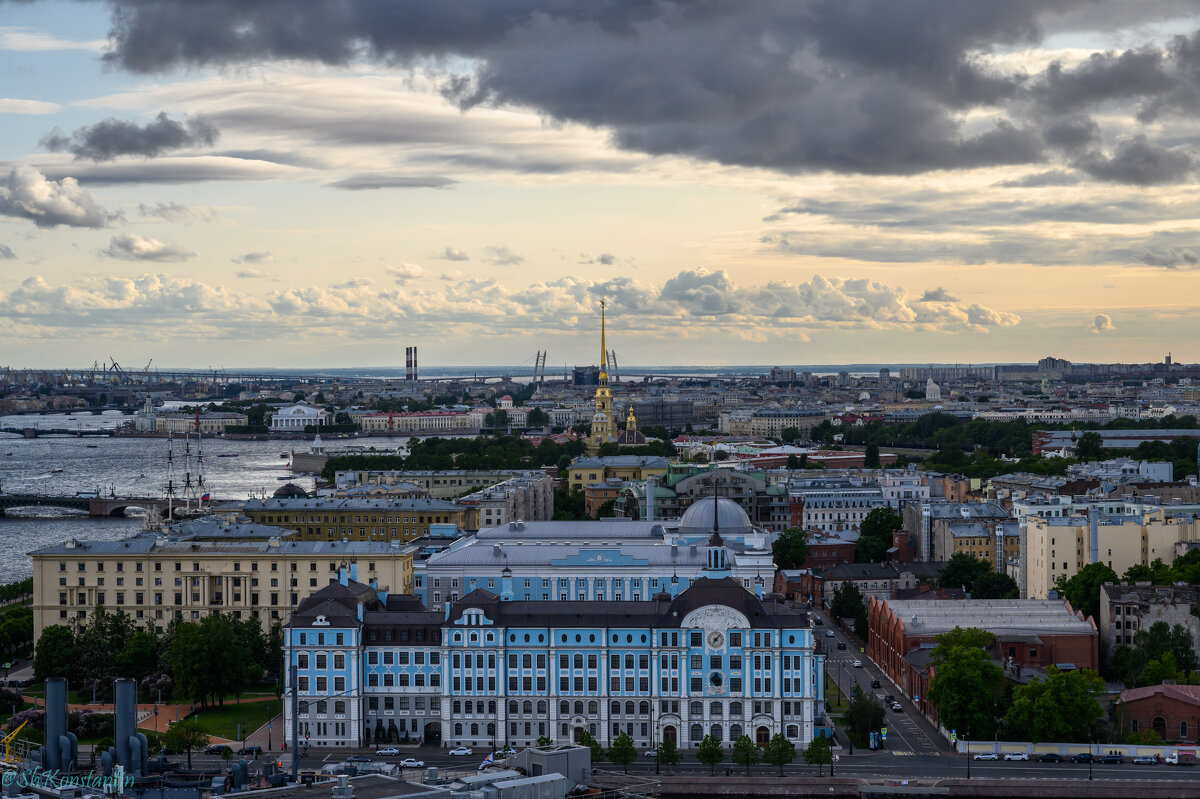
{"x": 9, "y": 757}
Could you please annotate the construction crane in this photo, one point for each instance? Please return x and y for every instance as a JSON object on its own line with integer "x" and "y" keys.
{"x": 9, "y": 757}
{"x": 146, "y": 371}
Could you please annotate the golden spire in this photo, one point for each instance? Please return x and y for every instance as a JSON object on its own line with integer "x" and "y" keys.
{"x": 603, "y": 349}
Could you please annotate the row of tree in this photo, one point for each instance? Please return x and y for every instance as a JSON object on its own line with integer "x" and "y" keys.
{"x": 779, "y": 751}
{"x": 202, "y": 661}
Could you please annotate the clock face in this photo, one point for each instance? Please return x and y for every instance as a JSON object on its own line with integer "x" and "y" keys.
{"x": 716, "y": 639}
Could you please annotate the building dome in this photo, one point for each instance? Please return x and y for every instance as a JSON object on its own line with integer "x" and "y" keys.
{"x": 289, "y": 491}
{"x": 730, "y": 517}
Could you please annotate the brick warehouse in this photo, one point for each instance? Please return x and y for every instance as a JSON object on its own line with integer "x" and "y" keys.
{"x": 1029, "y": 633}
{"x": 1172, "y": 711}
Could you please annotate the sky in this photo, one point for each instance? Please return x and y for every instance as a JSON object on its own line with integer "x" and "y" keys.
{"x": 225, "y": 183}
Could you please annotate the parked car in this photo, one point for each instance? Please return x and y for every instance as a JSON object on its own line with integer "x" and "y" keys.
{"x": 829, "y": 633}
{"x": 1082, "y": 757}
{"x": 1180, "y": 759}
{"x": 897, "y": 707}
{"x": 1145, "y": 760}
{"x": 818, "y": 622}
{"x": 412, "y": 762}
{"x": 253, "y": 751}
{"x": 987, "y": 756}
{"x": 391, "y": 750}
{"x": 217, "y": 749}
{"x": 858, "y": 664}
{"x": 889, "y": 698}
{"x": 358, "y": 759}
{"x": 1015, "y": 756}
{"x": 459, "y": 751}
{"x": 1050, "y": 757}
{"x": 1112, "y": 758}
{"x": 651, "y": 753}
{"x": 841, "y": 644}
{"x": 874, "y": 683}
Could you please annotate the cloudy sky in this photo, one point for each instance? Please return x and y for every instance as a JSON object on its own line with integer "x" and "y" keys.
{"x": 284, "y": 182}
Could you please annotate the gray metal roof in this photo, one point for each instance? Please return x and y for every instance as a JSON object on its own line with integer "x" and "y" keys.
{"x": 151, "y": 545}
{"x": 350, "y": 504}
{"x": 576, "y": 531}
{"x": 1003, "y": 617}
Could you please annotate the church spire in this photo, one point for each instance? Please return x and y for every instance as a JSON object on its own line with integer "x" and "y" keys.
{"x": 604, "y": 427}
{"x": 603, "y": 347}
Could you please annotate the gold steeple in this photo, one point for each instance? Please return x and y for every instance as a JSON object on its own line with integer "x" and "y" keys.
{"x": 603, "y": 347}
{"x": 604, "y": 428}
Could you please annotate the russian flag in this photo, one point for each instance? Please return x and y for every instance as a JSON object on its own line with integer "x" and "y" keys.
{"x": 204, "y": 496}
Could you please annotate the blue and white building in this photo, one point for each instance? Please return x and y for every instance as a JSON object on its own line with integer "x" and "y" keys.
{"x": 612, "y": 560}
{"x": 715, "y": 658}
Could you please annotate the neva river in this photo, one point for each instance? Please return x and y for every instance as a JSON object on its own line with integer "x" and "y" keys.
{"x": 130, "y": 466}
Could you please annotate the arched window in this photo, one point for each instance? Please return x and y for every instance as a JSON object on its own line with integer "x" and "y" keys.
{"x": 629, "y": 708}
{"x": 593, "y": 708}
{"x": 512, "y": 707}
{"x": 696, "y": 709}
{"x": 615, "y": 708}
{"x": 1183, "y": 730}
{"x": 322, "y": 707}
{"x": 339, "y": 706}
{"x": 470, "y": 707}
{"x": 578, "y": 661}
{"x": 715, "y": 731}
{"x": 304, "y": 707}
{"x": 541, "y": 707}
{"x": 578, "y": 707}
{"x": 592, "y": 729}
{"x": 715, "y": 709}
{"x": 735, "y": 731}
{"x": 458, "y": 728}
{"x": 696, "y": 733}
{"x": 643, "y": 708}
{"x": 491, "y": 729}
{"x": 564, "y": 708}
{"x": 492, "y": 706}
{"x": 527, "y": 706}
{"x": 735, "y": 708}
{"x": 474, "y": 730}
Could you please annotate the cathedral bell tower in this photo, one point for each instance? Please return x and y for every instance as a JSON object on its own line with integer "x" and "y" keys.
{"x": 604, "y": 429}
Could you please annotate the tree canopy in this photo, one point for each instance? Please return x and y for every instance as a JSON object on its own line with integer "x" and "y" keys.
{"x": 1061, "y": 707}
{"x": 978, "y": 577}
{"x": 967, "y": 687}
{"x": 622, "y": 752}
{"x": 820, "y": 752}
{"x": 1082, "y": 590}
{"x": 790, "y": 549}
{"x": 864, "y": 715}
{"x": 875, "y": 534}
{"x": 745, "y": 753}
{"x": 779, "y": 752}
{"x": 710, "y": 753}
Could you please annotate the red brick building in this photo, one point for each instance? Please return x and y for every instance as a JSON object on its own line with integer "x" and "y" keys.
{"x": 1172, "y": 711}
{"x": 1032, "y": 633}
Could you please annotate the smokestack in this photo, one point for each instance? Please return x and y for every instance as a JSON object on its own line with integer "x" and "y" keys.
{"x": 125, "y": 722}
{"x": 56, "y": 723}
{"x": 650, "y": 484}
{"x": 1094, "y": 534}
{"x": 408, "y": 363}
{"x": 415, "y": 368}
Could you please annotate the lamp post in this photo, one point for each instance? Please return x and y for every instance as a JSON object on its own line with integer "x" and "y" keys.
{"x": 839, "y": 684}
{"x": 967, "y": 738}
{"x": 1091, "y": 756}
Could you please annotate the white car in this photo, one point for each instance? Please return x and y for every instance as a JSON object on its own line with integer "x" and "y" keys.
{"x": 829, "y": 633}
{"x": 412, "y": 762}
{"x": 1016, "y": 756}
{"x": 651, "y": 753}
{"x": 459, "y": 751}
{"x": 858, "y": 664}
{"x": 987, "y": 756}
{"x": 391, "y": 750}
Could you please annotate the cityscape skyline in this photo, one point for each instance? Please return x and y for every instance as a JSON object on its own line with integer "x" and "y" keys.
{"x": 762, "y": 186}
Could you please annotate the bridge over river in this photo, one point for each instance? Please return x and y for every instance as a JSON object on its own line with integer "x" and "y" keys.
{"x": 94, "y": 505}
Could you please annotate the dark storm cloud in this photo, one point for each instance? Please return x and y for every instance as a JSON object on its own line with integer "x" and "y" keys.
{"x": 371, "y": 180}
{"x": 1053, "y": 177}
{"x": 1102, "y": 77}
{"x": 111, "y": 138}
{"x": 1071, "y": 133}
{"x": 1170, "y": 257}
{"x": 1140, "y": 162}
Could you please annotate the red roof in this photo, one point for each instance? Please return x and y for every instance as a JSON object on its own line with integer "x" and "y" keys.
{"x": 1183, "y": 693}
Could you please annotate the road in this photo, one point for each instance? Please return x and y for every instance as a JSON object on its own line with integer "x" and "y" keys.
{"x": 908, "y": 732}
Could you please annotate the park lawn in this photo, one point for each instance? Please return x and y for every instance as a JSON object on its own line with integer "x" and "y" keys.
{"x": 223, "y": 722}
{"x": 831, "y": 692}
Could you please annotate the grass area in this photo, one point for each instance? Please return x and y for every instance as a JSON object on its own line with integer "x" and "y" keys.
{"x": 831, "y": 691}
{"x": 223, "y": 722}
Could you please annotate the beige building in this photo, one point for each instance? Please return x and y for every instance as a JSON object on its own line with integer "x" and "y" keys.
{"x": 353, "y": 519}
{"x": 154, "y": 579}
{"x": 207, "y": 423}
{"x": 1061, "y": 546}
{"x": 417, "y": 422}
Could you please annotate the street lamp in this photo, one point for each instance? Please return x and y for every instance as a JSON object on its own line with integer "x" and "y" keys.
{"x": 967, "y": 738}
{"x": 1091, "y": 756}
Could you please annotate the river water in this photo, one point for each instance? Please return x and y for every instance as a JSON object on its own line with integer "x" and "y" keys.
{"x": 130, "y": 466}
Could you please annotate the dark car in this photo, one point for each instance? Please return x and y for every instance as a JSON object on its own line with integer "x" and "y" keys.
{"x": 1145, "y": 760}
{"x": 217, "y": 749}
{"x": 887, "y": 700}
{"x": 250, "y": 750}
{"x": 1082, "y": 757}
{"x": 1050, "y": 757}
{"x": 1111, "y": 759}
{"x": 841, "y": 645}
{"x": 818, "y": 622}
{"x": 874, "y": 683}
{"x": 358, "y": 759}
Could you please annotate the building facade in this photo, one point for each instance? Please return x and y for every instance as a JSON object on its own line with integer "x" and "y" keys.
{"x": 294, "y": 418}
{"x": 1126, "y": 609}
{"x": 833, "y": 505}
{"x": 333, "y": 519}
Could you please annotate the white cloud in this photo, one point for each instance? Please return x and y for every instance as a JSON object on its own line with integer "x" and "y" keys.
{"x": 27, "y": 40}
{"x": 1103, "y": 323}
{"x": 502, "y": 256}
{"x": 132, "y": 247}
{"x": 11, "y": 105}
{"x": 405, "y": 272}
{"x": 454, "y": 254}
{"x": 254, "y": 258}
{"x": 48, "y": 203}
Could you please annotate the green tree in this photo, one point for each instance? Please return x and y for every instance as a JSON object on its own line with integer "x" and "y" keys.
{"x": 543, "y": 740}
{"x": 538, "y": 418}
{"x": 790, "y": 549}
{"x": 847, "y": 601}
{"x": 668, "y": 754}
{"x": 710, "y": 753}
{"x": 139, "y": 658}
{"x": 586, "y": 739}
{"x": 790, "y": 435}
{"x": 622, "y": 752}
{"x": 994, "y": 585}
{"x": 779, "y": 752}
{"x": 1082, "y": 590}
{"x": 1090, "y": 447}
{"x": 962, "y": 570}
{"x": 1158, "y": 670}
{"x": 793, "y": 462}
{"x": 875, "y": 535}
{"x": 864, "y": 715}
{"x": 186, "y": 736}
{"x": 819, "y": 751}
{"x": 871, "y": 456}
{"x": 745, "y": 753}
{"x": 967, "y": 686}
{"x": 55, "y": 654}
{"x": 1061, "y": 707}
{"x": 1143, "y": 738}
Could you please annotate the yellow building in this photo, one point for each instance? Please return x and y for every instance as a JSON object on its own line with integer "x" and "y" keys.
{"x": 1061, "y": 546}
{"x": 981, "y": 539}
{"x": 153, "y": 579}
{"x": 588, "y": 471}
{"x": 353, "y": 519}
{"x": 206, "y": 423}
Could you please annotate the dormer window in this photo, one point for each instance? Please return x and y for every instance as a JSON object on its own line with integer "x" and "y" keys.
{"x": 321, "y": 621}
